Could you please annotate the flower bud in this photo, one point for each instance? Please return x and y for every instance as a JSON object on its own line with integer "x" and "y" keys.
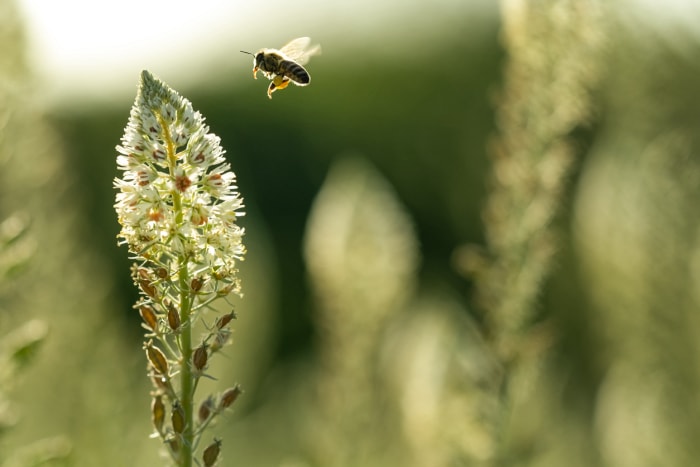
{"x": 211, "y": 453}
{"x": 229, "y": 396}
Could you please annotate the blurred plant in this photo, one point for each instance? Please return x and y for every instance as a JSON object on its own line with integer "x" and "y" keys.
{"x": 18, "y": 247}
{"x": 18, "y": 347}
{"x": 362, "y": 257}
{"x": 399, "y": 374}
{"x": 553, "y": 64}
{"x": 178, "y": 206}
{"x": 439, "y": 368}
{"x": 17, "y": 351}
{"x": 637, "y": 239}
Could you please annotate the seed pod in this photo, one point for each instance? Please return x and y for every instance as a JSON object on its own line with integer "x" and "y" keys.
{"x": 142, "y": 277}
{"x": 162, "y": 272}
{"x": 147, "y": 288}
{"x": 199, "y": 358}
{"x": 158, "y": 413}
{"x": 157, "y": 358}
{"x": 225, "y": 319}
{"x": 177, "y": 418}
{"x": 196, "y": 284}
{"x": 174, "y": 445}
{"x": 159, "y": 381}
{"x": 173, "y": 318}
{"x": 229, "y": 396}
{"x": 221, "y": 339}
{"x": 211, "y": 453}
{"x": 224, "y": 291}
{"x": 205, "y": 409}
{"x": 149, "y": 317}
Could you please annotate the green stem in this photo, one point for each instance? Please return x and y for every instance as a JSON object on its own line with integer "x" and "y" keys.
{"x": 186, "y": 379}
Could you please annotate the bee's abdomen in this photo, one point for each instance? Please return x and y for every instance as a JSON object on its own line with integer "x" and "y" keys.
{"x": 295, "y": 72}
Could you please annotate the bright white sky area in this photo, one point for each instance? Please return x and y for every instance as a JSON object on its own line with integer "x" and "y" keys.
{"x": 87, "y": 46}
{"x": 98, "y": 48}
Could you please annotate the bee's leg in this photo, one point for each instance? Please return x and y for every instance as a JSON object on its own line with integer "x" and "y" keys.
{"x": 278, "y": 82}
{"x": 255, "y": 72}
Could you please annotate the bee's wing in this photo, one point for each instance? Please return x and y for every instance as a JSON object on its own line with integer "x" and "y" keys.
{"x": 296, "y": 50}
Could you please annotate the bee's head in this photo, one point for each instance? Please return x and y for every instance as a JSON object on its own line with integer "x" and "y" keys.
{"x": 259, "y": 58}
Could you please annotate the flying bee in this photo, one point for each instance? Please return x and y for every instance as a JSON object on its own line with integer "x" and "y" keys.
{"x": 284, "y": 66}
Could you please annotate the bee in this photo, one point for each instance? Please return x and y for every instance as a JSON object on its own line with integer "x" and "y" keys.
{"x": 284, "y": 66}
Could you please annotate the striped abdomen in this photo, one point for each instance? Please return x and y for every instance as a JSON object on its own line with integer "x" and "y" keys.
{"x": 295, "y": 72}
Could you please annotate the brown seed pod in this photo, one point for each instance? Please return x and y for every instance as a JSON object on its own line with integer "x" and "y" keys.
{"x": 148, "y": 288}
{"x": 220, "y": 339}
{"x": 211, "y": 453}
{"x": 160, "y": 381}
{"x": 174, "y": 445}
{"x": 200, "y": 357}
{"x": 162, "y": 272}
{"x": 196, "y": 284}
{"x": 157, "y": 358}
{"x": 173, "y": 318}
{"x": 177, "y": 418}
{"x": 229, "y": 396}
{"x": 225, "y": 319}
{"x": 205, "y": 409}
{"x": 158, "y": 413}
{"x": 149, "y": 317}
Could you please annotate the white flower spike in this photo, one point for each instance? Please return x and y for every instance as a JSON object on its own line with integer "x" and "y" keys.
{"x": 178, "y": 207}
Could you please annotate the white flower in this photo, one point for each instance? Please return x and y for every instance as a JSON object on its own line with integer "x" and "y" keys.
{"x": 177, "y": 197}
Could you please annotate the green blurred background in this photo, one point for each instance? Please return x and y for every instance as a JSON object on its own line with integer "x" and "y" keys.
{"x": 402, "y": 110}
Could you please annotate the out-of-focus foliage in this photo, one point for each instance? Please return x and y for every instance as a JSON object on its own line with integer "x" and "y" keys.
{"x": 553, "y": 66}
{"x": 636, "y": 233}
{"x": 21, "y": 337}
{"x": 54, "y": 321}
{"x": 361, "y": 253}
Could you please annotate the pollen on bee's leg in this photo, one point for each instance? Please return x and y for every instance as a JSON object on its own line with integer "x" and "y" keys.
{"x": 283, "y": 84}
{"x": 278, "y": 82}
{"x": 255, "y": 73}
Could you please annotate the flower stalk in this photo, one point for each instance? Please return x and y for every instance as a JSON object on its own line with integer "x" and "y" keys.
{"x": 178, "y": 207}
